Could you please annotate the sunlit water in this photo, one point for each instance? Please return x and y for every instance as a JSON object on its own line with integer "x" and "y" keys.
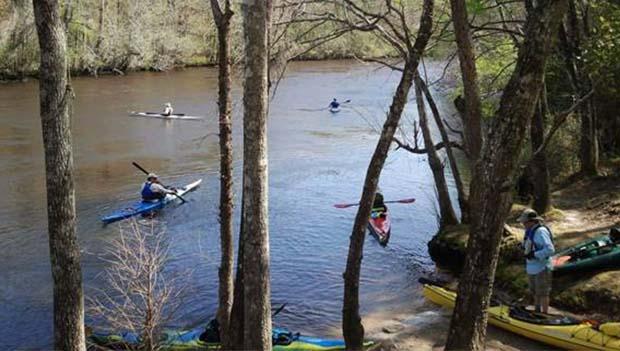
{"x": 316, "y": 159}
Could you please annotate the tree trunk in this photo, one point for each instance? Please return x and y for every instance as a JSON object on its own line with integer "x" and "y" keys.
{"x": 472, "y": 115}
{"x": 458, "y": 180}
{"x": 540, "y": 170}
{"x": 101, "y": 22}
{"x": 448, "y": 217}
{"x": 257, "y": 296}
{"x": 491, "y": 192}
{"x": 222, "y": 21}
{"x": 236, "y": 326}
{"x": 351, "y": 321}
{"x": 56, "y": 95}
{"x": 574, "y": 33}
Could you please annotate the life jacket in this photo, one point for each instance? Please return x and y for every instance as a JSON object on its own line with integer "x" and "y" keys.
{"x": 147, "y": 193}
{"x": 529, "y": 234}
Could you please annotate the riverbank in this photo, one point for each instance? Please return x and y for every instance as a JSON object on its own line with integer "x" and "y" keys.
{"x": 582, "y": 210}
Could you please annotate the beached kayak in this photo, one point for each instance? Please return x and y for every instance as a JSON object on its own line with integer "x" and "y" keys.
{"x": 599, "y": 253}
{"x": 180, "y": 116}
{"x": 557, "y": 330}
{"x": 379, "y": 225}
{"x": 194, "y": 339}
{"x": 148, "y": 206}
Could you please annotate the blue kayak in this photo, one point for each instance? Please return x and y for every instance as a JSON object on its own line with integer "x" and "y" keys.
{"x": 148, "y": 206}
{"x": 199, "y": 339}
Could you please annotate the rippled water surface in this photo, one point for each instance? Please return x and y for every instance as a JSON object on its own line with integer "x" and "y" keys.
{"x": 316, "y": 159}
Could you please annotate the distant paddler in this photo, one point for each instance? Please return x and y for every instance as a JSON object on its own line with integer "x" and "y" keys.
{"x": 153, "y": 190}
{"x": 168, "y": 109}
{"x": 334, "y": 104}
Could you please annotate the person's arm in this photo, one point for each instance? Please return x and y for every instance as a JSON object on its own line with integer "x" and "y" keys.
{"x": 158, "y": 188}
{"x": 543, "y": 239}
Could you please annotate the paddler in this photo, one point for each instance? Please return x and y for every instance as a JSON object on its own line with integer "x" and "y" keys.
{"x": 168, "y": 109}
{"x": 378, "y": 206}
{"x": 334, "y": 104}
{"x": 153, "y": 190}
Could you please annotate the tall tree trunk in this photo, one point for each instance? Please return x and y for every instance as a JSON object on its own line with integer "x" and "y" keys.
{"x": 448, "y": 217}
{"x": 236, "y": 326}
{"x": 458, "y": 180}
{"x": 257, "y": 296}
{"x": 574, "y": 33}
{"x": 56, "y": 97}
{"x": 101, "y": 22}
{"x": 352, "y": 327}
{"x": 222, "y": 20}
{"x": 539, "y": 167}
{"x": 472, "y": 125}
{"x": 491, "y": 192}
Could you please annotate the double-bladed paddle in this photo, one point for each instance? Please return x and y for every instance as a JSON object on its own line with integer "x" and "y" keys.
{"x": 402, "y": 201}
{"x": 147, "y": 172}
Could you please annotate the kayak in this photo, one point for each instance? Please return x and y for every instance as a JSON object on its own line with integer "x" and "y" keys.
{"x": 181, "y": 116}
{"x": 599, "y": 253}
{"x": 148, "y": 206}
{"x": 334, "y": 109}
{"x": 556, "y": 330}
{"x": 193, "y": 339}
{"x": 379, "y": 225}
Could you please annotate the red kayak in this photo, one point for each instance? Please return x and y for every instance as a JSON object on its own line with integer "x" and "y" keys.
{"x": 379, "y": 225}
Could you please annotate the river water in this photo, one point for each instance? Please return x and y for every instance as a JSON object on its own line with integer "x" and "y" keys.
{"x": 316, "y": 159}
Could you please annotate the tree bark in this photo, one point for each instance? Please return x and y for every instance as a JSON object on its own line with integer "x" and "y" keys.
{"x": 236, "y": 326}
{"x": 56, "y": 96}
{"x": 458, "y": 180}
{"x": 574, "y": 32}
{"x": 448, "y": 217}
{"x": 472, "y": 126}
{"x": 352, "y": 327}
{"x": 491, "y": 193}
{"x": 222, "y": 21}
{"x": 539, "y": 167}
{"x": 257, "y": 296}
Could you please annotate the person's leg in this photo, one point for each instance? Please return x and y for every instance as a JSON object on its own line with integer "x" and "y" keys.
{"x": 544, "y": 303}
{"x": 532, "y": 287}
{"x": 542, "y": 290}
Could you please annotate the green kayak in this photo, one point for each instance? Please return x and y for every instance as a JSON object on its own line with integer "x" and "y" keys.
{"x": 205, "y": 338}
{"x": 599, "y": 253}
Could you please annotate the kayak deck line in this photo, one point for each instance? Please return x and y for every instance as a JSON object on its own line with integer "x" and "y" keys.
{"x": 179, "y": 116}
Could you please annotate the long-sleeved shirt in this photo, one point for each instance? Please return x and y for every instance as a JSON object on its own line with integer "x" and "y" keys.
{"x": 158, "y": 188}
{"x": 540, "y": 241}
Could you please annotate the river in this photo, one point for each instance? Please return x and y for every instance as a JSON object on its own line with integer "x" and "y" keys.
{"x": 316, "y": 159}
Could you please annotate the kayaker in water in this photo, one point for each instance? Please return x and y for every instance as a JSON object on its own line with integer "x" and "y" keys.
{"x": 538, "y": 249}
{"x": 334, "y": 104}
{"x": 168, "y": 109}
{"x": 153, "y": 190}
{"x": 378, "y": 206}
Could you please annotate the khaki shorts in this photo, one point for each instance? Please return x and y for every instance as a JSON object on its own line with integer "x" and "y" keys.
{"x": 540, "y": 284}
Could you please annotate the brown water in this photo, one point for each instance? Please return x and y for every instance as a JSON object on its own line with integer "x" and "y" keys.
{"x": 316, "y": 159}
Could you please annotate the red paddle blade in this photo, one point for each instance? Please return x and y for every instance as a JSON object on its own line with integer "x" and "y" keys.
{"x": 344, "y": 205}
{"x": 406, "y": 201}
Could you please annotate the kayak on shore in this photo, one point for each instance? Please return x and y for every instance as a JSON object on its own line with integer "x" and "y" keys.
{"x": 379, "y": 225}
{"x": 180, "y": 116}
{"x": 556, "y": 330}
{"x": 202, "y": 338}
{"x": 143, "y": 207}
{"x": 599, "y": 253}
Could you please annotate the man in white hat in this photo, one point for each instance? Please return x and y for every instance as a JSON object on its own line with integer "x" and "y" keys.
{"x": 538, "y": 246}
{"x": 167, "y": 109}
{"x": 153, "y": 190}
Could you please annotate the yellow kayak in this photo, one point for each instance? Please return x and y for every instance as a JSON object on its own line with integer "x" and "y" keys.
{"x": 561, "y": 331}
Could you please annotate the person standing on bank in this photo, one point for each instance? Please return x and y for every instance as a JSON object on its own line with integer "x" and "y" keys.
{"x": 538, "y": 249}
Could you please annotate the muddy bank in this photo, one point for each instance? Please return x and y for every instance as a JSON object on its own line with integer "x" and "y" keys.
{"x": 583, "y": 210}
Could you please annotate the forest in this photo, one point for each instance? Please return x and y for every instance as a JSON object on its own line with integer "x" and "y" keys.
{"x": 534, "y": 87}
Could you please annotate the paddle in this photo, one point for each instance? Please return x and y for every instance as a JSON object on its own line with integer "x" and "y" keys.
{"x": 402, "y": 201}
{"x": 147, "y": 172}
{"x": 278, "y": 310}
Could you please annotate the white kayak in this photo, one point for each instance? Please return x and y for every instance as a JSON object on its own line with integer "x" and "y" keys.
{"x": 334, "y": 109}
{"x": 180, "y": 116}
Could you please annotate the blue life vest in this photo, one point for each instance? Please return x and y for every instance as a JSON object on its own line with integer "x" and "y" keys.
{"x": 147, "y": 193}
{"x": 334, "y": 104}
{"x": 529, "y": 234}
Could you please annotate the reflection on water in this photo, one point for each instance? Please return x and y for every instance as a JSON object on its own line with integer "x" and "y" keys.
{"x": 317, "y": 159}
